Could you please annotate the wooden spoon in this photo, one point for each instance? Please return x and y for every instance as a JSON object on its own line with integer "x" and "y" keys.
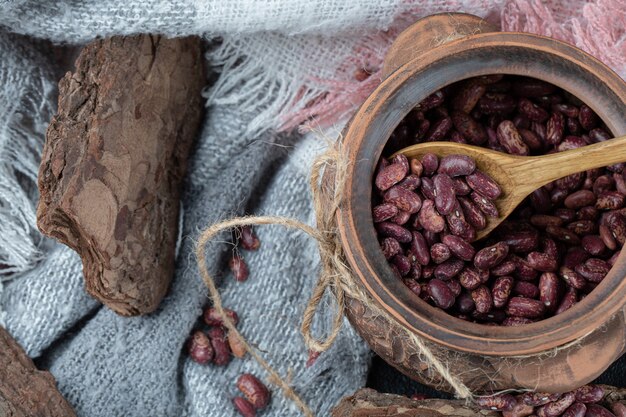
{"x": 518, "y": 176}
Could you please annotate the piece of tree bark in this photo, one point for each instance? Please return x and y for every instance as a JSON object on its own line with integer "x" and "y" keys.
{"x": 24, "y": 390}
{"x": 114, "y": 160}
{"x": 367, "y": 402}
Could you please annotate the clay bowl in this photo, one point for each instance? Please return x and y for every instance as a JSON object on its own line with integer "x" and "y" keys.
{"x": 554, "y": 355}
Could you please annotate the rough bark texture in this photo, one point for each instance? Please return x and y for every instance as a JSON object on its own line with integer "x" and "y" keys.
{"x": 113, "y": 163}
{"x": 367, "y": 402}
{"x": 24, "y": 390}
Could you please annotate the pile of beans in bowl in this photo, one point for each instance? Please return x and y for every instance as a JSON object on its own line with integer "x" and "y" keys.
{"x": 552, "y": 251}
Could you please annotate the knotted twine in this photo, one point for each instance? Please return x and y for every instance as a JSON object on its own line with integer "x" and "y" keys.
{"x": 335, "y": 275}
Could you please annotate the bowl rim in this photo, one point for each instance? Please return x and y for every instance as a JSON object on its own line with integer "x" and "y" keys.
{"x": 384, "y": 109}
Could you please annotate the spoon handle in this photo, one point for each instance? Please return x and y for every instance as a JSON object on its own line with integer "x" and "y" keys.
{"x": 541, "y": 170}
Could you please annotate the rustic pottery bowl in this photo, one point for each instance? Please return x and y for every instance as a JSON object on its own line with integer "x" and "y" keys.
{"x": 554, "y": 355}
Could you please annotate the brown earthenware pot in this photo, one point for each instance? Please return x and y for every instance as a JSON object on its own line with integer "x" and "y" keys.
{"x": 556, "y": 354}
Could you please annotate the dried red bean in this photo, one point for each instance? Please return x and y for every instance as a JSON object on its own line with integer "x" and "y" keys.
{"x": 595, "y": 410}
{"x": 555, "y": 129}
{"x": 389, "y": 176}
{"x": 458, "y": 226}
{"x": 439, "y": 130}
{"x": 401, "y": 218}
{"x": 575, "y": 256}
{"x": 572, "y": 278}
{"x": 610, "y": 200}
{"x": 456, "y": 165}
{"x": 522, "y": 241}
{"x": 416, "y": 167}
{"x": 536, "y": 399}
{"x": 569, "y": 299}
{"x": 556, "y": 408}
{"x": 404, "y": 199}
{"x": 470, "y": 278}
{"x": 220, "y": 346}
{"x": 496, "y": 103}
{"x": 239, "y": 268}
{"x": 454, "y": 286}
{"x": 244, "y": 407}
{"x": 472, "y": 213}
{"x": 599, "y": 135}
{"x": 439, "y": 253}
{"x": 573, "y": 126}
{"x": 575, "y": 410}
{"x": 419, "y": 248}
{"x": 430, "y": 102}
{"x": 619, "y": 409}
{"x": 402, "y": 160}
{"x": 390, "y": 247}
{"x": 200, "y": 348}
{"x": 445, "y": 199}
{"x": 500, "y": 402}
{"x": 413, "y": 285}
{"x": 507, "y": 267}
{"x": 549, "y": 290}
{"x": 542, "y": 262}
{"x": 532, "y": 111}
{"x": 563, "y": 235}
{"x": 587, "y": 213}
{"x": 540, "y": 200}
{"x": 212, "y": 318}
{"x": 249, "y": 240}
{"x": 525, "y": 307}
{"x": 510, "y": 139}
{"x": 411, "y": 182}
{"x": 459, "y": 247}
{"x": 512, "y": 321}
{"x": 544, "y": 220}
{"x": 567, "y": 215}
{"x": 473, "y": 131}
{"x": 465, "y": 303}
{"x": 617, "y": 226}
{"x": 603, "y": 183}
{"x": 484, "y": 184}
{"x": 593, "y": 244}
{"x": 532, "y": 87}
{"x": 589, "y": 394}
{"x": 571, "y": 182}
{"x": 402, "y": 263}
{"x": 254, "y": 390}
{"x": 491, "y": 256}
{"x": 449, "y": 269}
{"x": 484, "y": 204}
{"x": 468, "y": 96}
{"x": 461, "y": 187}
{"x": 440, "y": 293}
{"x": 482, "y": 299}
{"x": 571, "y": 142}
{"x": 387, "y": 229}
{"x": 384, "y": 212}
{"x": 593, "y": 270}
{"x": 586, "y": 117}
{"x": 580, "y": 199}
{"x": 526, "y": 289}
{"x": 501, "y": 291}
{"x": 430, "y": 219}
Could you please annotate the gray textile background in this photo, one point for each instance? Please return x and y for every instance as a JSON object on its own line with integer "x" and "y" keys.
{"x": 112, "y": 366}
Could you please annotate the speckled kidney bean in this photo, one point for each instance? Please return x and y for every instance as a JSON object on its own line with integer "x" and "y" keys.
{"x": 549, "y": 290}
{"x": 430, "y": 162}
{"x": 532, "y": 111}
{"x": 473, "y": 131}
{"x": 411, "y": 182}
{"x": 445, "y": 199}
{"x": 401, "y": 218}
{"x": 404, "y": 199}
{"x": 484, "y": 204}
{"x": 575, "y": 410}
{"x": 458, "y": 226}
{"x": 510, "y": 139}
{"x": 507, "y": 267}
{"x": 575, "y": 256}
{"x": 501, "y": 291}
{"x": 448, "y": 269}
{"x": 383, "y": 212}
{"x": 572, "y": 278}
{"x": 580, "y": 199}
{"x": 468, "y": 97}
{"x": 564, "y": 235}
{"x": 526, "y": 289}
{"x": 470, "y": 278}
{"x": 395, "y": 231}
{"x": 459, "y": 247}
{"x": 593, "y": 244}
{"x": 609, "y": 200}
{"x": 569, "y": 299}
{"x": 484, "y": 184}
{"x": 439, "y": 253}
{"x": 619, "y": 409}
{"x": 430, "y": 219}
{"x": 589, "y": 394}
{"x": 537, "y": 399}
{"x": 440, "y": 293}
{"x": 556, "y": 408}
{"x": 555, "y": 128}
{"x": 419, "y": 248}
{"x": 472, "y": 213}
{"x": 456, "y": 165}
{"x": 587, "y": 118}
{"x": 541, "y": 262}
{"x": 595, "y": 410}
{"x": 389, "y": 176}
{"x": 402, "y": 263}
{"x": 525, "y": 307}
{"x": 482, "y": 299}
{"x": 501, "y": 402}
{"x": 522, "y": 241}
{"x": 617, "y": 226}
{"x": 390, "y": 247}
{"x": 593, "y": 270}
{"x": 491, "y": 256}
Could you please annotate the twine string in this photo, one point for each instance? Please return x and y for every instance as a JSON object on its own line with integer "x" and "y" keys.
{"x": 335, "y": 275}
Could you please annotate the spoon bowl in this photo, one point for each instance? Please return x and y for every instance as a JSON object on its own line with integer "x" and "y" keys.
{"x": 518, "y": 176}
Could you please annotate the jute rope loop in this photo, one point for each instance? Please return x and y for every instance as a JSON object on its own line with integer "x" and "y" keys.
{"x": 335, "y": 274}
